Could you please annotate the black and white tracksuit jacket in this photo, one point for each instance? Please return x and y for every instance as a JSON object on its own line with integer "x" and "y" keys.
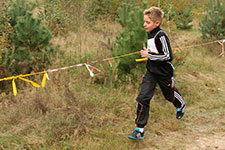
{"x": 159, "y": 71}
{"x": 160, "y": 55}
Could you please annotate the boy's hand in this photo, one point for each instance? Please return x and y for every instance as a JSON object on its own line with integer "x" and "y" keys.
{"x": 144, "y": 53}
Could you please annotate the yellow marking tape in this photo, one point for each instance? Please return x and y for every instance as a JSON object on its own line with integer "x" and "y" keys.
{"x": 13, "y": 78}
{"x": 44, "y": 79}
{"x": 14, "y": 87}
{"x": 19, "y": 76}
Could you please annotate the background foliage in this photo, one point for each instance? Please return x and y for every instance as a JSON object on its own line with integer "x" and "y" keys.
{"x": 131, "y": 37}
{"x": 60, "y": 16}
{"x": 30, "y": 49}
{"x": 184, "y": 18}
{"x": 77, "y": 112}
{"x": 212, "y": 25}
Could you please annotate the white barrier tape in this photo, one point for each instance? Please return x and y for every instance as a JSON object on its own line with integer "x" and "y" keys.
{"x": 222, "y": 49}
{"x": 47, "y": 76}
{"x": 63, "y": 68}
{"x": 91, "y": 73}
{"x": 109, "y": 59}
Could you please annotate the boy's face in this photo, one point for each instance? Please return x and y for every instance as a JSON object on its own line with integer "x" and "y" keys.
{"x": 149, "y": 25}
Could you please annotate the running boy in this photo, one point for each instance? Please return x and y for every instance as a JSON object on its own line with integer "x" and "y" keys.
{"x": 159, "y": 70}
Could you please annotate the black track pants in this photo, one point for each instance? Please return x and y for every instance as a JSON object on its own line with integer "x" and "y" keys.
{"x": 147, "y": 91}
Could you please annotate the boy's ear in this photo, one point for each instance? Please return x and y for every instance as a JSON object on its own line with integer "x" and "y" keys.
{"x": 157, "y": 23}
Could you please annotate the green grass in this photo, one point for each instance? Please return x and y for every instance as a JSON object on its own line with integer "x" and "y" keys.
{"x": 76, "y": 112}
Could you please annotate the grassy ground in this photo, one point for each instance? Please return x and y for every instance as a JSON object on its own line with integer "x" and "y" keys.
{"x": 77, "y": 112}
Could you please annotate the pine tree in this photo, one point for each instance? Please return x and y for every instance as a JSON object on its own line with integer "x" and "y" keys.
{"x": 169, "y": 14}
{"x": 183, "y": 19}
{"x": 31, "y": 43}
{"x": 19, "y": 8}
{"x": 213, "y": 24}
{"x": 123, "y": 13}
{"x": 131, "y": 37}
{"x": 31, "y": 50}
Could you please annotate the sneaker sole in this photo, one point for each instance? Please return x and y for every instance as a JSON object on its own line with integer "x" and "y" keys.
{"x": 179, "y": 117}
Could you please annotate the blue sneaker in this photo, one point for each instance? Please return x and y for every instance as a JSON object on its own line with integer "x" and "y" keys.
{"x": 136, "y": 135}
{"x": 180, "y": 112}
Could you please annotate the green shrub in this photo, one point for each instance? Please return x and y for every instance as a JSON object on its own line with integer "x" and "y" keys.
{"x": 184, "y": 18}
{"x": 130, "y": 39}
{"x": 20, "y": 8}
{"x": 213, "y": 24}
{"x": 31, "y": 50}
{"x": 123, "y": 12}
{"x": 169, "y": 13}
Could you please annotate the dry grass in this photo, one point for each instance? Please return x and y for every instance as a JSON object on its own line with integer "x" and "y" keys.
{"x": 94, "y": 41}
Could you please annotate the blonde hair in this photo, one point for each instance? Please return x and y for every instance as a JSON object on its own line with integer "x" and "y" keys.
{"x": 154, "y": 13}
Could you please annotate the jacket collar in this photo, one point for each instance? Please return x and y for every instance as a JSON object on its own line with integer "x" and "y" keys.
{"x": 154, "y": 31}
